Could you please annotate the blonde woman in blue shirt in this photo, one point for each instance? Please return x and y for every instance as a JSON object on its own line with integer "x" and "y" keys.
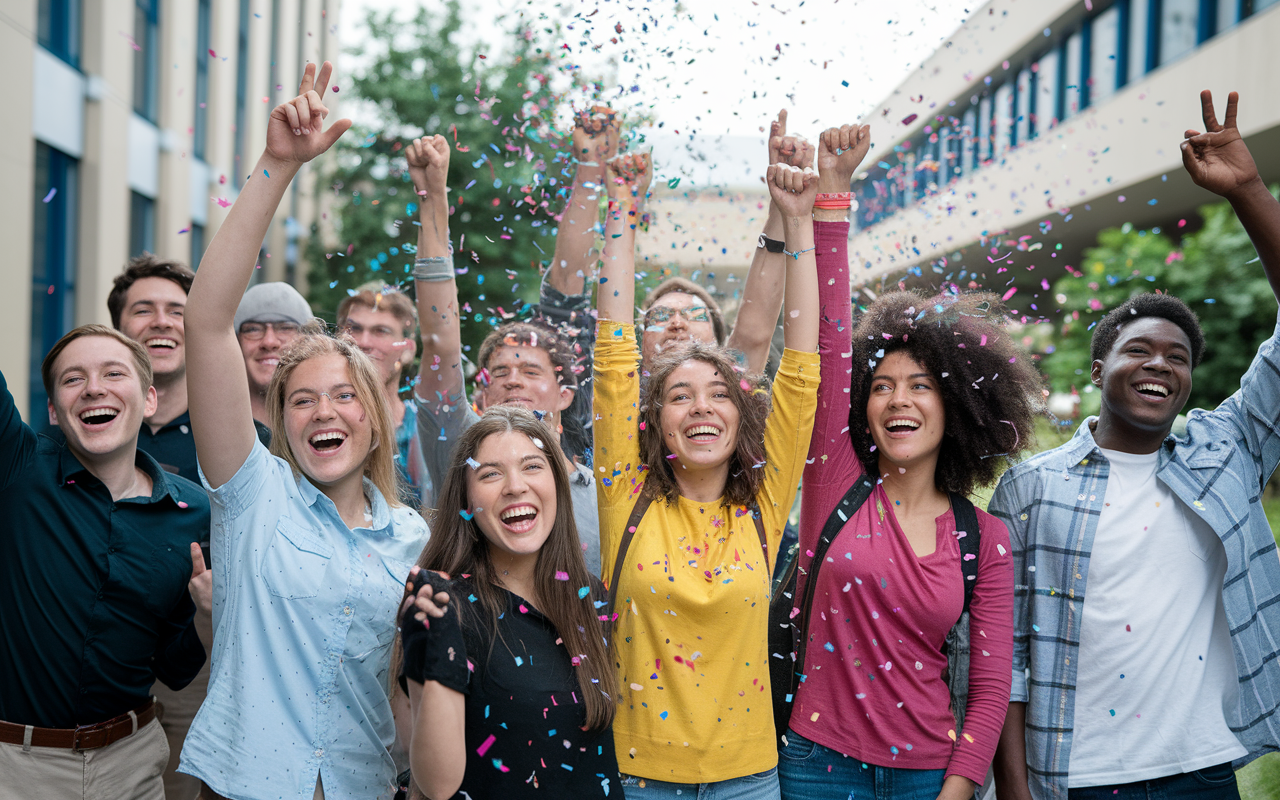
{"x": 310, "y": 544}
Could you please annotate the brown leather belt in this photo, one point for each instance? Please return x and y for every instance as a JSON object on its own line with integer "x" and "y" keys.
{"x": 85, "y": 737}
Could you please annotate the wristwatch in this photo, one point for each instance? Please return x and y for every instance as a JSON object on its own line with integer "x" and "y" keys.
{"x": 772, "y": 245}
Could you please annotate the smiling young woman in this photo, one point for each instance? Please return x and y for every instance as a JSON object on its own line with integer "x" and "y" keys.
{"x": 699, "y": 480}
{"x": 505, "y": 666}
{"x": 310, "y": 542}
{"x": 927, "y": 395}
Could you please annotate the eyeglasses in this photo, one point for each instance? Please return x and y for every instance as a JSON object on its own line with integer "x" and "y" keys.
{"x": 660, "y": 314}
{"x": 380, "y": 332}
{"x": 253, "y": 331}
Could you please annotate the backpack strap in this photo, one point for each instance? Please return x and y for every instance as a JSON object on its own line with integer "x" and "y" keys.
{"x": 853, "y": 499}
{"x": 637, "y": 513}
{"x": 967, "y": 524}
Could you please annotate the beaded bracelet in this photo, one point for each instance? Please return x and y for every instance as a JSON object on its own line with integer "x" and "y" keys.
{"x": 796, "y": 255}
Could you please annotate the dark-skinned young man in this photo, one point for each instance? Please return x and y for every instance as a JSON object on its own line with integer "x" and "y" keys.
{"x": 1147, "y": 585}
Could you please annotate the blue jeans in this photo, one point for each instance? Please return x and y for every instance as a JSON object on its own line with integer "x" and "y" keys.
{"x": 809, "y": 771}
{"x": 1210, "y": 783}
{"x": 761, "y": 786}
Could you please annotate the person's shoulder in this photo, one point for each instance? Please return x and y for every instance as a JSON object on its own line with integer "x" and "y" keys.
{"x": 408, "y": 523}
{"x": 1038, "y": 464}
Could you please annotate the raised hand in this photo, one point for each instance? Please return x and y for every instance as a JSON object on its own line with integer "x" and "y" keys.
{"x": 793, "y": 189}
{"x": 595, "y": 136}
{"x": 629, "y": 176}
{"x": 790, "y": 149}
{"x": 1218, "y": 159}
{"x": 840, "y": 151}
{"x": 428, "y": 159}
{"x": 201, "y": 583}
{"x": 295, "y": 131}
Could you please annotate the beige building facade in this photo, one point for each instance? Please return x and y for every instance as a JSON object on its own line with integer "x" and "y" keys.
{"x": 1041, "y": 122}
{"x": 133, "y": 124}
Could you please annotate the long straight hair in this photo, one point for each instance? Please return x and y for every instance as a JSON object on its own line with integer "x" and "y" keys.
{"x": 458, "y": 547}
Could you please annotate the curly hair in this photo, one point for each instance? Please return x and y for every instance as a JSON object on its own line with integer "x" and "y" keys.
{"x": 748, "y": 394}
{"x": 1148, "y": 304}
{"x": 991, "y": 393}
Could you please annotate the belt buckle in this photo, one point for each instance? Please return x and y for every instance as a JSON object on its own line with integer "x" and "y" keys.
{"x": 84, "y": 729}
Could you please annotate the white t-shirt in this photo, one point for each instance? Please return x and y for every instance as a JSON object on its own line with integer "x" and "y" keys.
{"x": 1156, "y": 674}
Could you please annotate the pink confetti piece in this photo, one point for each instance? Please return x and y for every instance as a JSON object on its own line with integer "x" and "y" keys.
{"x": 561, "y": 576}
{"x": 485, "y": 745}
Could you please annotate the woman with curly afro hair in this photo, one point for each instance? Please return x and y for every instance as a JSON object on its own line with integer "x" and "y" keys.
{"x": 928, "y": 395}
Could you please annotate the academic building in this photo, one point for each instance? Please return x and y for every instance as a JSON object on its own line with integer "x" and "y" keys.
{"x": 1041, "y": 122}
{"x": 133, "y": 124}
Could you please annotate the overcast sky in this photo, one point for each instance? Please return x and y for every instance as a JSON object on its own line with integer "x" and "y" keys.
{"x": 714, "y": 72}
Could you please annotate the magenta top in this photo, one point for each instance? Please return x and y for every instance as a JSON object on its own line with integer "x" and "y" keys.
{"x": 873, "y": 686}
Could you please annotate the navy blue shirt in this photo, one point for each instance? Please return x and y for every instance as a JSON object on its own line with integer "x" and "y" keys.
{"x": 93, "y": 592}
{"x": 174, "y": 447}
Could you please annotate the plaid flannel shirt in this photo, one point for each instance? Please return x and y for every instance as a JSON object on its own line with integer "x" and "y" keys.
{"x": 1051, "y": 504}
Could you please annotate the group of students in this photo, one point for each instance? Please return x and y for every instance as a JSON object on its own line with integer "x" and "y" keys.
{"x": 591, "y": 610}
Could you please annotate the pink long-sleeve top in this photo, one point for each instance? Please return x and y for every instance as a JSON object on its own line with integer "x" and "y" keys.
{"x": 873, "y": 686}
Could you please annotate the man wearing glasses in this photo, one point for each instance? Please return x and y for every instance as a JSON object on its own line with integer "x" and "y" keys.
{"x": 381, "y": 320}
{"x": 270, "y": 316}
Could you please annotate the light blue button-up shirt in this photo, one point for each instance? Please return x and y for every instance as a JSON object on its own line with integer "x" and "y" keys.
{"x": 304, "y": 615}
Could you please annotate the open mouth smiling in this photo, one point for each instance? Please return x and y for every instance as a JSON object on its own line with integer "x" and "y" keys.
{"x": 703, "y": 434}
{"x": 162, "y": 343}
{"x": 326, "y": 442}
{"x": 519, "y": 518}
{"x": 1152, "y": 390}
{"x": 902, "y": 426}
{"x": 97, "y": 418}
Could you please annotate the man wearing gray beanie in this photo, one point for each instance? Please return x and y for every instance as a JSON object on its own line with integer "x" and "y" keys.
{"x": 270, "y": 316}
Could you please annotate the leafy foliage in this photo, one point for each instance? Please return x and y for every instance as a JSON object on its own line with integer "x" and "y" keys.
{"x": 505, "y": 176}
{"x": 1210, "y": 270}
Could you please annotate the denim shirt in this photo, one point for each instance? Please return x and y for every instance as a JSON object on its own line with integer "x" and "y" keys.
{"x": 1051, "y": 505}
{"x": 304, "y": 617}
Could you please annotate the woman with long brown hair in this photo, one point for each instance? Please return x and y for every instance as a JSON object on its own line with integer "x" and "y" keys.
{"x": 506, "y": 665}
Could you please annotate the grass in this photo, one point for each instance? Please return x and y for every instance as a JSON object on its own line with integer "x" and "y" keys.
{"x": 1261, "y": 779}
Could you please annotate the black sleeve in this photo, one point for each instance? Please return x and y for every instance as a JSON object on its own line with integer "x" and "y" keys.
{"x": 17, "y": 440}
{"x": 179, "y": 653}
{"x": 434, "y": 649}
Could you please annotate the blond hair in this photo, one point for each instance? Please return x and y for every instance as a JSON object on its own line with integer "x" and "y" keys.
{"x": 140, "y": 356}
{"x": 379, "y": 463}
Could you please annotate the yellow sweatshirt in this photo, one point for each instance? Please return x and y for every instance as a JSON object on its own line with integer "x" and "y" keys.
{"x": 691, "y": 639}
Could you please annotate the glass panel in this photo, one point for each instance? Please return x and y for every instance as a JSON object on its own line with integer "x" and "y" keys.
{"x": 1022, "y": 121}
{"x": 1046, "y": 113}
{"x": 1228, "y": 14}
{"x": 200, "y": 136}
{"x": 142, "y": 224}
{"x": 984, "y": 130}
{"x": 1003, "y": 122}
{"x": 1178, "y": 22}
{"x": 968, "y": 147}
{"x": 242, "y": 92}
{"x": 1258, "y": 5}
{"x": 53, "y": 263}
{"x": 1102, "y": 60}
{"x": 1072, "y": 96}
{"x": 197, "y": 245}
{"x": 58, "y": 29}
{"x": 146, "y": 57}
{"x": 1139, "y": 30}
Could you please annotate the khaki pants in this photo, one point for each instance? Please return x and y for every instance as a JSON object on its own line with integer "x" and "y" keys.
{"x": 129, "y": 769}
{"x": 177, "y": 710}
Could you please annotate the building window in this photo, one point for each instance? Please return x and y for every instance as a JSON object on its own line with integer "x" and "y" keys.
{"x": 1022, "y": 130}
{"x": 1003, "y": 122}
{"x": 1072, "y": 97}
{"x": 1047, "y": 93}
{"x": 146, "y": 57}
{"x": 200, "y": 138}
{"x": 242, "y": 92}
{"x": 969, "y": 143}
{"x": 1228, "y": 15}
{"x": 58, "y": 29}
{"x": 1179, "y": 28}
{"x": 1104, "y": 48}
{"x": 197, "y": 244}
{"x": 53, "y": 262}
{"x": 1140, "y": 59}
{"x": 142, "y": 224}
{"x": 983, "y": 151}
{"x": 1256, "y": 5}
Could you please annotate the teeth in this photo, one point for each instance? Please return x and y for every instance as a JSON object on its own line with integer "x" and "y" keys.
{"x": 105, "y": 413}
{"x": 161, "y": 343}
{"x": 902, "y": 423}
{"x": 326, "y": 436}
{"x": 698, "y": 430}
{"x": 519, "y": 511}
{"x": 1153, "y": 387}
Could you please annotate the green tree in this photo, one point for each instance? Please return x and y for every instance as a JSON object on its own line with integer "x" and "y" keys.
{"x": 505, "y": 176}
{"x": 1209, "y": 269}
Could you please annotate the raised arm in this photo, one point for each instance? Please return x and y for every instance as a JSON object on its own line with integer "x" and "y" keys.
{"x": 628, "y": 181}
{"x": 440, "y": 375}
{"x": 794, "y": 190}
{"x": 436, "y": 675}
{"x": 762, "y": 294}
{"x": 595, "y": 142}
{"x": 217, "y": 387}
{"x": 1219, "y": 160}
